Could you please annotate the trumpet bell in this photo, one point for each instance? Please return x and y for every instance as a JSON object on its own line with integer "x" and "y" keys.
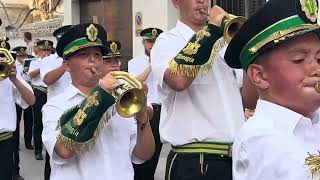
{"x": 231, "y": 25}
{"x": 6, "y": 61}
{"x": 130, "y": 97}
{"x": 130, "y": 101}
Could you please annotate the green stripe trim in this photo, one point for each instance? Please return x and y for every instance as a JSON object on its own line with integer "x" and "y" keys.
{"x": 210, "y": 148}
{"x": 247, "y": 56}
{"x": 80, "y": 44}
{"x": 150, "y": 36}
{"x": 41, "y": 89}
{"x": 207, "y": 151}
{"x": 5, "y": 136}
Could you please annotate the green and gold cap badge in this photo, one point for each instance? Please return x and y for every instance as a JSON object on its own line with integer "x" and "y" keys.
{"x": 4, "y": 44}
{"x": 82, "y": 36}
{"x": 150, "y": 33}
{"x": 44, "y": 45}
{"x": 113, "y": 48}
{"x": 20, "y": 50}
{"x": 274, "y": 23}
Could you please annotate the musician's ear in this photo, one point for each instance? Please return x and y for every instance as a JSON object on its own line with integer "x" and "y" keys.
{"x": 258, "y": 76}
{"x": 175, "y": 3}
{"x": 66, "y": 65}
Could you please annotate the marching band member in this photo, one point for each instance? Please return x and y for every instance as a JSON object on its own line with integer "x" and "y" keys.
{"x": 279, "y": 48}
{"x": 13, "y": 90}
{"x": 202, "y": 108}
{"x": 40, "y": 90}
{"x": 92, "y": 141}
{"x": 140, "y": 67}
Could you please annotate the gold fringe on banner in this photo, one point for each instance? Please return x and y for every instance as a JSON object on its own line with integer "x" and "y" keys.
{"x": 195, "y": 70}
{"x": 83, "y": 147}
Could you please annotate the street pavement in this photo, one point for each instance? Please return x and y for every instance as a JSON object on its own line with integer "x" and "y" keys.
{"x": 32, "y": 169}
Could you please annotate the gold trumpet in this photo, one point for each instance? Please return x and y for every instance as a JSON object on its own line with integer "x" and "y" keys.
{"x": 317, "y": 87}
{"x": 6, "y": 61}
{"x": 230, "y": 25}
{"x": 130, "y": 98}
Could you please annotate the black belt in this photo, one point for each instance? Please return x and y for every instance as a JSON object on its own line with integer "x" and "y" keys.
{"x": 156, "y": 106}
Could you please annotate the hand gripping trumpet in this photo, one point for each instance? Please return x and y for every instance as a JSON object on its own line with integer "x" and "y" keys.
{"x": 230, "y": 25}
{"x": 130, "y": 98}
{"x": 6, "y": 61}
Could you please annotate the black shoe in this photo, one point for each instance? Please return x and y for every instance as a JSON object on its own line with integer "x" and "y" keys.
{"x": 39, "y": 156}
{"x": 29, "y": 146}
{"x": 17, "y": 177}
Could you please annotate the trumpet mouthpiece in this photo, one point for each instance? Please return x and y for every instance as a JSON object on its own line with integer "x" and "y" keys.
{"x": 202, "y": 11}
{"x": 95, "y": 72}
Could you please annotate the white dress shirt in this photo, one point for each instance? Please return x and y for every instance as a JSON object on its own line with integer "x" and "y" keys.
{"x": 273, "y": 144}
{"x": 29, "y": 49}
{"x": 36, "y": 81}
{"x": 9, "y": 96}
{"x": 48, "y": 64}
{"x": 136, "y": 66}
{"x": 20, "y": 70}
{"x": 19, "y": 67}
{"x": 209, "y": 110}
{"x": 111, "y": 157}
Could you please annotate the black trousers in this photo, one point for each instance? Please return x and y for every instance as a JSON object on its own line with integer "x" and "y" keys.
{"x": 146, "y": 170}
{"x": 6, "y": 159}
{"x": 16, "y": 144}
{"x": 47, "y": 167}
{"x": 188, "y": 167}
{"x": 41, "y": 99}
{"x": 28, "y": 125}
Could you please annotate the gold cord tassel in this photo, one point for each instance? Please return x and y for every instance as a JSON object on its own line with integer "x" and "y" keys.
{"x": 313, "y": 164}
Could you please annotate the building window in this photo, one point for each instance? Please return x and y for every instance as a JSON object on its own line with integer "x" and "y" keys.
{"x": 239, "y": 7}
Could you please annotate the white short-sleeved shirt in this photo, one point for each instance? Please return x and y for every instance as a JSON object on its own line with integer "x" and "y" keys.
{"x": 48, "y": 64}
{"x": 9, "y": 97}
{"x": 136, "y": 66}
{"x": 36, "y": 81}
{"x": 209, "y": 110}
{"x": 111, "y": 157}
{"x": 274, "y": 143}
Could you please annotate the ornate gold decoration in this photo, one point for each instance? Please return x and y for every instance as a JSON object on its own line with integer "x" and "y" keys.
{"x": 79, "y": 117}
{"x": 310, "y": 8}
{"x": 154, "y": 32}
{"x": 2, "y": 37}
{"x": 313, "y": 164}
{"x": 113, "y": 47}
{"x": 3, "y": 44}
{"x": 279, "y": 36}
{"x": 81, "y": 114}
{"x": 92, "y": 32}
{"x": 21, "y": 50}
{"x": 192, "y": 47}
{"x": 46, "y": 43}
